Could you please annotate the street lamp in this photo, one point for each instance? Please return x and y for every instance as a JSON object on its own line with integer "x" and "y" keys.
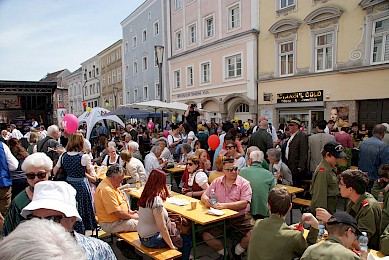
{"x": 159, "y": 58}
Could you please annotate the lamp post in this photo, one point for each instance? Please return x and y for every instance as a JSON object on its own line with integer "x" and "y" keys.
{"x": 115, "y": 92}
{"x": 159, "y": 58}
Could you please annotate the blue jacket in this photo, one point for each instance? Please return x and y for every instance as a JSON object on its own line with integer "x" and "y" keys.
{"x": 5, "y": 180}
{"x": 372, "y": 153}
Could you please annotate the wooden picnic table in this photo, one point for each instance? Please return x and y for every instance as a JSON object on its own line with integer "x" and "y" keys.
{"x": 291, "y": 189}
{"x": 177, "y": 169}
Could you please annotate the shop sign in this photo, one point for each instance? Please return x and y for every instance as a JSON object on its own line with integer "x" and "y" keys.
{"x": 193, "y": 94}
{"x": 304, "y": 96}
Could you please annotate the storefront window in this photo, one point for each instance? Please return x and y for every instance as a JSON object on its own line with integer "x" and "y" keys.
{"x": 308, "y": 118}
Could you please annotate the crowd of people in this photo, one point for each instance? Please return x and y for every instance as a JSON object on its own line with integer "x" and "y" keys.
{"x": 241, "y": 174}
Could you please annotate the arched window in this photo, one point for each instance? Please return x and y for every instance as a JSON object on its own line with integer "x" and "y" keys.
{"x": 242, "y": 108}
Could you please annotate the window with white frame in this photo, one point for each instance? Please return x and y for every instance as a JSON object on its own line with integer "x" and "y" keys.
{"x": 156, "y": 90}
{"x": 234, "y": 17}
{"x": 113, "y": 57}
{"x": 209, "y": 26}
{"x": 119, "y": 71}
{"x": 108, "y": 60}
{"x": 286, "y": 55}
{"x": 113, "y": 76}
{"x": 59, "y": 97}
{"x": 205, "y": 72}
{"x": 135, "y": 95}
{"x": 177, "y": 79}
{"x": 242, "y": 108}
{"x": 144, "y": 35}
{"x": 286, "y": 3}
{"x": 134, "y": 42}
{"x": 380, "y": 41}
{"x": 145, "y": 92}
{"x": 178, "y": 39}
{"x": 144, "y": 63}
{"x": 156, "y": 28}
{"x": 109, "y": 78}
{"x": 125, "y": 50}
{"x": 324, "y": 49}
{"x": 127, "y": 72}
{"x": 135, "y": 68}
{"x": 189, "y": 76}
{"x": 177, "y": 5}
{"x": 128, "y": 97}
{"x": 234, "y": 66}
{"x": 192, "y": 33}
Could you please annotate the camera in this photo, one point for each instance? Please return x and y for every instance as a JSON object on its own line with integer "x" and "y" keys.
{"x": 193, "y": 105}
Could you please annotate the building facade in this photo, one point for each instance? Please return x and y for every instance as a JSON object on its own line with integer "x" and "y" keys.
{"x": 110, "y": 62}
{"x": 91, "y": 82}
{"x": 324, "y": 59}
{"x": 74, "y": 82}
{"x": 142, "y": 30}
{"x": 213, "y": 56}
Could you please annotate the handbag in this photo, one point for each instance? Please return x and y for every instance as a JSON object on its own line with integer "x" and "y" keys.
{"x": 61, "y": 173}
{"x": 182, "y": 223}
{"x": 174, "y": 234}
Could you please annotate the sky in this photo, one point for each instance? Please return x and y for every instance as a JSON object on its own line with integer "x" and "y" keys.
{"x": 44, "y": 36}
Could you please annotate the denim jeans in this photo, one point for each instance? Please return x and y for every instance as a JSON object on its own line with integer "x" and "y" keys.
{"x": 155, "y": 241}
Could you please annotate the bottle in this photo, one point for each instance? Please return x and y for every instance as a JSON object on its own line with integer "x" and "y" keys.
{"x": 322, "y": 228}
{"x": 363, "y": 241}
{"x": 381, "y": 199}
{"x": 213, "y": 197}
{"x": 275, "y": 177}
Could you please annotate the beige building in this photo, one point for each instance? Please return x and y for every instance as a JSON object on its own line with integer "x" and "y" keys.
{"x": 318, "y": 55}
{"x": 110, "y": 62}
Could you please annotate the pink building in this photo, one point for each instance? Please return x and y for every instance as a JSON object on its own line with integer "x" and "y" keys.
{"x": 213, "y": 56}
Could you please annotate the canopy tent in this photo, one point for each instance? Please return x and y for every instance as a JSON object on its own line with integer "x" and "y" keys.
{"x": 95, "y": 115}
{"x": 129, "y": 112}
{"x": 154, "y": 105}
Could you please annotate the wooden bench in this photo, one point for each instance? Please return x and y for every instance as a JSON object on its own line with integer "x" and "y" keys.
{"x": 302, "y": 202}
{"x": 160, "y": 253}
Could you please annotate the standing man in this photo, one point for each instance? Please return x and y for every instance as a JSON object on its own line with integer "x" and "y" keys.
{"x": 372, "y": 153}
{"x": 261, "y": 182}
{"x": 329, "y": 127}
{"x": 296, "y": 152}
{"x": 316, "y": 143}
{"x": 191, "y": 115}
{"x": 261, "y": 138}
{"x": 15, "y": 133}
{"x": 270, "y": 129}
{"x": 48, "y": 144}
{"x": 232, "y": 192}
{"x": 7, "y": 163}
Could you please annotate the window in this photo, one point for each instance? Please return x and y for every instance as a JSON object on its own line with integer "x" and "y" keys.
{"x": 286, "y": 3}
{"x": 205, "y": 72}
{"x": 95, "y": 103}
{"x": 103, "y": 81}
{"x": 380, "y": 41}
{"x": 113, "y": 57}
{"x": 109, "y": 79}
{"x": 324, "y": 51}
{"x": 135, "y": 67}
{"x": 113, "y": 76}
{"x": 90, "y": 74}
{"x": 234, "y": 17}
{"x": 156, "y": 90}
{"x": 97, "y": 71}
{"x": 156, "y": 28}
{"x": 189, "y": 76}
{"x": 91, "y": 90}
{"x": 144, "y": 63}
{"x": 242, "y": 108}
{"x": 98, "y": 87}
{"x": 119, "y": 71}
{"x": 108, "y": 60}
{"x": 234, "y": 66}
{"x": 286, "y": 58}
{"x": 177, "y": 79}
{"x": 135, "y": 95}
{"x": 127, "y": 72}
{"x": 59, "y": 97}
{"x": 145, "y": 92}
{"x": 125, "y": 48}
{"x": 177, "y": 5}
{"x": 178, "y": 38}
{"x": 117, "y": 55}
{"x": 86, "y": 91}
{"x": 209, "y": 27}
{"x": 192, "y": 33}
{"x": 134, "y": 42}
{"x": 144, "y": 35}
{"x": 127, "y": 97}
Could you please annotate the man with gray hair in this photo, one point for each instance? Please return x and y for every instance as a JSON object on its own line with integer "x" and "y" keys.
{"x": 112, "y": 210}
{"x": 151, "y": 160}
{"x": 261, "y": 182}
{"x": 261, "y": 138}
{"x": 49, "y": 144}
{"x": 279, "y": 168}
{"x": 133, "y": 148}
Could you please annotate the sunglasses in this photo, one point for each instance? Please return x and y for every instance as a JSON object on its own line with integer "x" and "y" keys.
{"x": 231, "y": 169}
{"x": 230, "y": 147}
{"x": 40, "y": 175}
{"x": 55, "y": 218}
{"x": 189, "y": 163}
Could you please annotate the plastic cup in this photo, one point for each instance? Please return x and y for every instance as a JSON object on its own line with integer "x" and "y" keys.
{"x": 193, "y": 204}
{"x": 169, "y": 187}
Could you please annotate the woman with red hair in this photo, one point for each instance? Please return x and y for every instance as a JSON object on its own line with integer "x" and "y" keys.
{"x": 153, "y": 217}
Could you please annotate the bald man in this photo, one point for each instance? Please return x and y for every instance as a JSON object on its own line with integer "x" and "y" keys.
{"x": 261, "y": 138}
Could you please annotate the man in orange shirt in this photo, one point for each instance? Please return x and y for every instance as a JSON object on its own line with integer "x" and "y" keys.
{"x": 111, "y": 205}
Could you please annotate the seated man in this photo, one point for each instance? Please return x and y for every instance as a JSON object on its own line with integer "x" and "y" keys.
{"x": 56, "y": 200}
{"x": 151, "y": 160}
{"x": 111, "y": 205}
{"x": 232, "y": 192}
{"x": 342, "y": 232}
{"x": 385, "y": 241}
{"x": 362, "y": 206}
{"x": 261, "y": 182}
{"x": 271, "y": 238}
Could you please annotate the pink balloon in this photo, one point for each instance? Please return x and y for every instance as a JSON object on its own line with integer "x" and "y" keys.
{"x": 70, "y": 123}
{"x": 166, "y": 133}
{"x": 150, "y": 125}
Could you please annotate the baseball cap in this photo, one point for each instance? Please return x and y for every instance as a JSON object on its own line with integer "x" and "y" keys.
{"x": 335, "y": 148}
{"x": 54, "y": 195}
{"x": 296, "y": 121}
{"x": 344, "y": 218}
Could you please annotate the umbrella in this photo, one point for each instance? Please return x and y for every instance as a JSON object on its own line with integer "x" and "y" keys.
{"x": 129, "y": 112}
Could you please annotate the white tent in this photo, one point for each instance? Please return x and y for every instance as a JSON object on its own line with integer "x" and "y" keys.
{"x": 95, "y": 115}
{"x": 157, "y": 105}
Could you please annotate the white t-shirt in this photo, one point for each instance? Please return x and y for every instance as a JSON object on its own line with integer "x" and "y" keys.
{"x": 171, "y": 139}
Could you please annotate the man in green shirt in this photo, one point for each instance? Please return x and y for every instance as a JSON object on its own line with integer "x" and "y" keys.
{"x": 272, "y": 239}
{"x": 342, "y": 232}
{"x": 261, "y": 182}
{"x": 385, "y": 241}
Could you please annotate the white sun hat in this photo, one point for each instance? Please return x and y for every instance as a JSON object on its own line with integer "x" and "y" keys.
{"x": 54, "y": 195}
